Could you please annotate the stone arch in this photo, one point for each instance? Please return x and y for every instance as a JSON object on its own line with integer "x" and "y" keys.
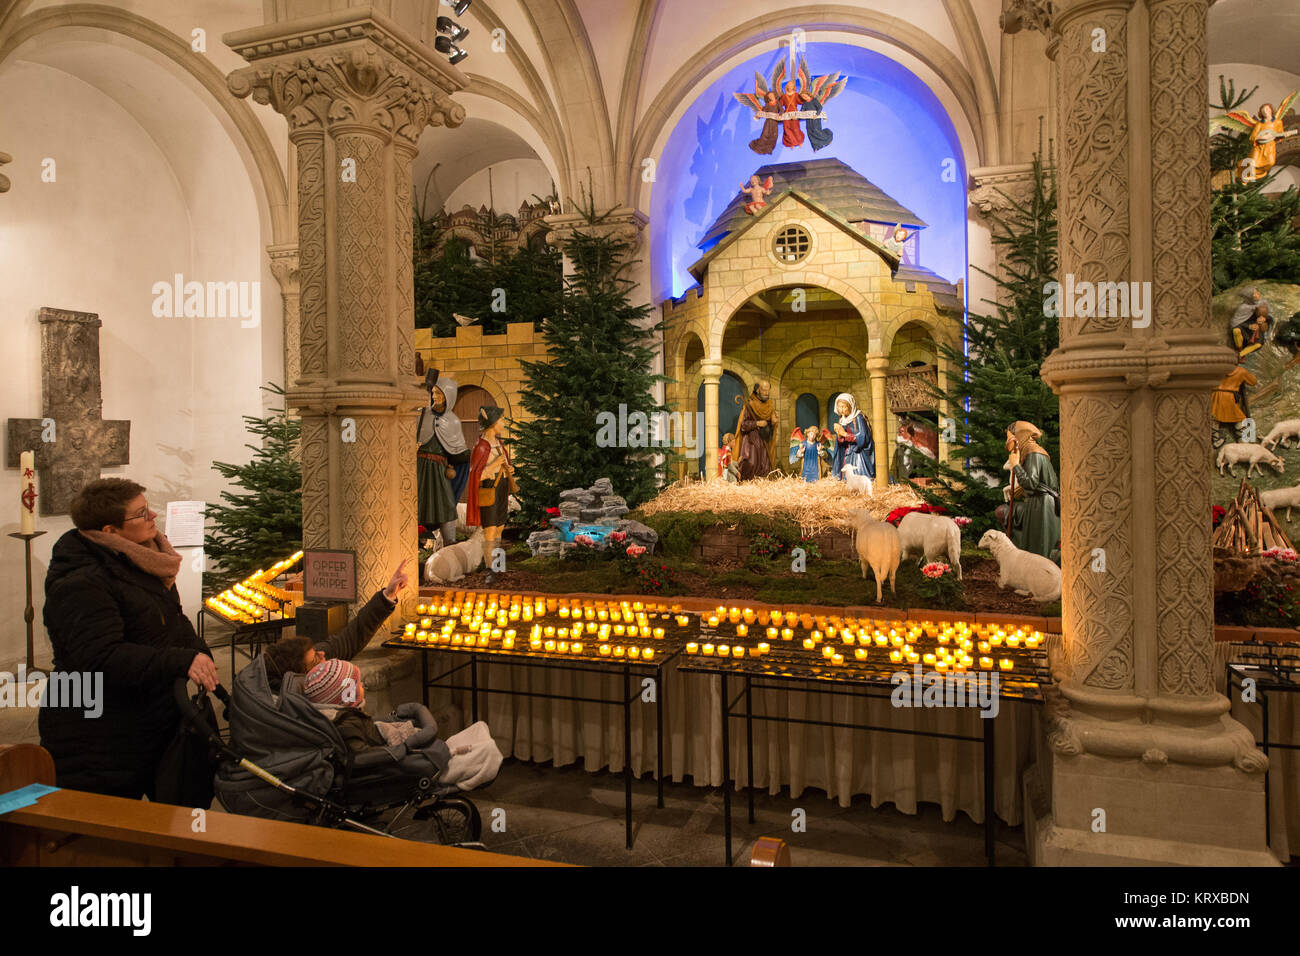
{"x": 728, "y": 309}
{"x": 940, "y": 331}
{"x": 252, "y": 135}
{"x": 684, "y": 342}
{"x": 978, "y": 101}
{"x": 483, "y": 380}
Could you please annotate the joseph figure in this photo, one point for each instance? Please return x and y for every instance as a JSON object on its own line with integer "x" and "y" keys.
{"x": 758, "y": 420}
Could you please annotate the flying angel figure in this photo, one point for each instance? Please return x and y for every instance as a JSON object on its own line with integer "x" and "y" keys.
{"x": 1264, "y": 132}
{"x": 779, "y": 101}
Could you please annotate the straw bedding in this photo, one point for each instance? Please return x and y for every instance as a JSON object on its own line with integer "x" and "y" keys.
{"x": 816, "y": 506}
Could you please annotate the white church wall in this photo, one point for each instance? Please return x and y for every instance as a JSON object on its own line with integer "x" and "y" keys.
{"x": 514, "y": 182}
{"x": 130, "y": 207}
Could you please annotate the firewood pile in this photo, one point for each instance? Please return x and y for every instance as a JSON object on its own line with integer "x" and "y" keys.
{"x": 1246, "y": 531}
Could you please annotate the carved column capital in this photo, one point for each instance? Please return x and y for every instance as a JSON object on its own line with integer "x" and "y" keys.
{"x": 1034, "y": 14}
{"x": 284, "y": 266}
{"x": 996, "y": 189}
{"x": 4, "y": 180}
{"x": 620, "y": 223}
{"x": 347, "y": 68}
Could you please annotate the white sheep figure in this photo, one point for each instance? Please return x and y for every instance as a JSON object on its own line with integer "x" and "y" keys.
{"x": 1280, "y": 498}
{"x": 455, "y": 561}
{"x": 512, "y": 505}
{"x": 1026, "y": 573}
{"x": 877, "y": 545}
{"x": 934, "y": 536}
{"x": 1281, "y": 432}
{"x": 1235, "y": 453}
{"x": 858, "y": 483}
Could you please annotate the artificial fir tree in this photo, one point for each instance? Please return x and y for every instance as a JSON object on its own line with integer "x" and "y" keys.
{"x": 1253, "y": 235}
{"x": 998, "y": 381}
{"x": 261, "y": 523}
{"x": 600, "y": 357}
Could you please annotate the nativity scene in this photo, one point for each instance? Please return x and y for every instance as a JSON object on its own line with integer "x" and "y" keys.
{"x": 438, "y": 440}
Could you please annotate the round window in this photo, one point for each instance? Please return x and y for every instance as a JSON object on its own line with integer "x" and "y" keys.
{"x": 792, "y": 244}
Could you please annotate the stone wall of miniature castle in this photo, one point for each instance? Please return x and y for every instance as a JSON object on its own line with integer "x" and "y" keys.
{"x": 490, "y": 362}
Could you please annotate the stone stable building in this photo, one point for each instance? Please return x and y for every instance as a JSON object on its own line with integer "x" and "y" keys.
{"x": 807, "y": 294}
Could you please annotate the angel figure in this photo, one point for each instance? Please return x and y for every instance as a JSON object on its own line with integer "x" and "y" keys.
{"x": 1264, "y": 131}
{"x": 896, "y": 239}
{"x": 756, "y": 191}
{"x": 764, "y": 101}
{"x": 816, "y": 93}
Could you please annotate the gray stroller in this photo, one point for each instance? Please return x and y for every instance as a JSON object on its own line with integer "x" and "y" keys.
{"x": 287, "y": 761}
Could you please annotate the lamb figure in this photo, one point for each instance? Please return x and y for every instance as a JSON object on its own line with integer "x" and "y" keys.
{"x": 877, "y": 545}
{"x": 1026, "y": 573}
{"x": 1281, "y": 433}
{"x": 455, "y": 561}
{"x": 935, "y": 536}
{"x": 1280, "y": 498}
{"x": 1235, "y": 453}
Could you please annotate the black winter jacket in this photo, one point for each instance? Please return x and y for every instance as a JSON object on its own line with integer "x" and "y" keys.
{"x": 104, "y": 614}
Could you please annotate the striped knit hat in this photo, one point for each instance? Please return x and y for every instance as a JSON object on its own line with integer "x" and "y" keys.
{"x": 334, "y": 683}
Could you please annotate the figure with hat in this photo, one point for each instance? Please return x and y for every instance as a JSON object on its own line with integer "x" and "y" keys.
{"x": 491, "y": 480}
{"x": 442, "y": 461}
{"x": 1035, "y": 511}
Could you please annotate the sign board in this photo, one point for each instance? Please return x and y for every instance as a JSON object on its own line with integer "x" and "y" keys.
{"x": 185, "y": 523}
{"x": 329, "y": 575}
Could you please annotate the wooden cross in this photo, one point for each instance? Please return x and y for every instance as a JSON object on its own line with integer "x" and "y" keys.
{"x": 82, "y": 442}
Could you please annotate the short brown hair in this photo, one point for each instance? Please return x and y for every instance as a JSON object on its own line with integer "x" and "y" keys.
{"x": 286, "y": 655}
{"x": 102, "y": 502}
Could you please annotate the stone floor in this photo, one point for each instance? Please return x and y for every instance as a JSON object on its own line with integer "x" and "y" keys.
{"x": 570, "y": 815}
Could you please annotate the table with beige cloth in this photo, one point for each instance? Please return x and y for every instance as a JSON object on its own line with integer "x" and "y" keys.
{"x": 900, "y": 769}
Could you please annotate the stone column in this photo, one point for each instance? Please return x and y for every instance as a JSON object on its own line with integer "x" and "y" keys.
{"x": 711, "y": 370}
{"x": 284, "y": 265}
{"x": 619, "y": 223}
{"x": 357, "y": 92}
{"x": 994, "y": 191}
{"x": 877, "y": 366}
{"x": 1139, "y": 732}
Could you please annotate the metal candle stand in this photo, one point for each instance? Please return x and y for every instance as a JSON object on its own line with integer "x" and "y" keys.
{"x": 29, "y": 612}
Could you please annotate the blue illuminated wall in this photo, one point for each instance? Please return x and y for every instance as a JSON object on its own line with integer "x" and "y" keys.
{"x": 888, "y": 126}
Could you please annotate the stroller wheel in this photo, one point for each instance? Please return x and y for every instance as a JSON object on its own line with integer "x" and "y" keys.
{"x": 454, "y": 820}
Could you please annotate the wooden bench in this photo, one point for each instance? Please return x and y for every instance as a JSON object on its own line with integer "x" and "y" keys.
{"x": 73, "y": 828}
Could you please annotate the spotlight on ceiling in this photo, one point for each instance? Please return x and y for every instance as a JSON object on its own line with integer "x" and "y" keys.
{"x": 453, "y": 53}
{"x": 454, "y": 30}
{"x": 460, "y": 6}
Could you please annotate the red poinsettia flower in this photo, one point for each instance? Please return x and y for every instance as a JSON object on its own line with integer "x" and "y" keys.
{"x": 553, "y": 512}
{"x": 1217, "y": 515}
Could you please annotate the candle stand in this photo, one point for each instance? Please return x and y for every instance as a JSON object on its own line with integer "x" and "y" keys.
{"x": 29, "y": 612}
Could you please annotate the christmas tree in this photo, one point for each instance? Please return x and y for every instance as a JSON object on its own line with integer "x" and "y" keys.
{"x": 261, "y": 523}
{"x": 996, "y": 382}
{"x": 1253, "y": 235}
{"x": 600, "y": 356}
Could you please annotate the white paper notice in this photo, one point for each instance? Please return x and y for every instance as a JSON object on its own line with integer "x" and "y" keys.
{"x": 185, "y": 523}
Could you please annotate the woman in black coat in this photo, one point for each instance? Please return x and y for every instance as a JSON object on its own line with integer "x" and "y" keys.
{"x": 112, "y": 609}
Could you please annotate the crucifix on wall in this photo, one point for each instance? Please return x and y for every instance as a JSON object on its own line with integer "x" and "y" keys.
{"x": 72, "y": 442}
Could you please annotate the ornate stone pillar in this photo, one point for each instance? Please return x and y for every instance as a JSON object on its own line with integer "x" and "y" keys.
{"x": 994, "y": 191}
{"x": 877, "y": 366}
{"x": 1140, "y": 732}
{"x": 357, "y": 92}
{"x": 284, "y": 266}
{"x": 711, "y": 370}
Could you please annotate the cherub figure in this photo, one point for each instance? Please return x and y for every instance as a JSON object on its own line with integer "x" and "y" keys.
{"x": 757, "y": 190}
{"x": 896, "y": 239}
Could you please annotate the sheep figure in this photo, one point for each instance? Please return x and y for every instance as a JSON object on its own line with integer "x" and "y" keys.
{"x": 1235, "y": 453}
{"x": 512, "y": 505}
{"x": 1280, "y": 498}
{"x": 877, "y": 545}
{"x": 1026, "y": 573}
{"x": 936, "y": 537}
{"x": 858, "y": 483}
{"x": 1281, "y": 433}
{"x": 455, "y": 561}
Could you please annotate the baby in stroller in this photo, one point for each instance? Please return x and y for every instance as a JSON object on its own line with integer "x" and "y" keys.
{"x": 300, "y": 765}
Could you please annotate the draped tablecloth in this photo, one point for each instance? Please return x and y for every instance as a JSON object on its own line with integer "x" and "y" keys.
{"x": 901, "y": 769}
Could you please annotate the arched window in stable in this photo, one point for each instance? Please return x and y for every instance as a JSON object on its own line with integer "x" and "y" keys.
{"x": 807, "y": 411}
{"x": 731, "y": 398}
